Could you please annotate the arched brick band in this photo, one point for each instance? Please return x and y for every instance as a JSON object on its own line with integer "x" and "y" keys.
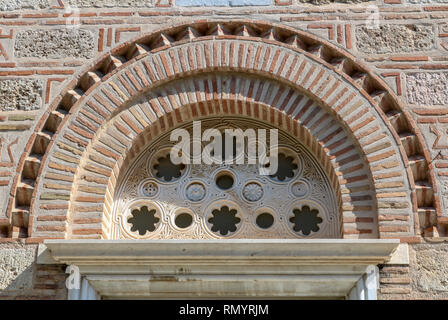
{"x": 140, "y": 134}
{"x": 116, "y": 140}
{"x": 165, "y": 107}
{"x": 302, "y": 117}
{"x": 292, "y": 57}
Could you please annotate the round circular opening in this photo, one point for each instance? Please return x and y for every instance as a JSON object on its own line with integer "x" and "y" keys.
{"x": 184, "y": 220}
{"x": 265, "y": 220}
{"x": 225, "y": 181}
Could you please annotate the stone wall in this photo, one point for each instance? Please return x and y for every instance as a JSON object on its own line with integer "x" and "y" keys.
{"x": 54, "y": 44}
{"x": 427, "y": 89}
{"x": 22, "y": 278}
{"x": 391, "y": 38}
{"x": 21, "y": 94}
{"x": 424, "y": 278}
{"x": 41, "y": 52}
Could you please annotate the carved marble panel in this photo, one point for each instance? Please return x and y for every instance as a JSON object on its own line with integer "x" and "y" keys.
{"x": 201, "y": 201}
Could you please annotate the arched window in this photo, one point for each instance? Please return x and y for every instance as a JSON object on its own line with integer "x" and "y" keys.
{"x": 158, "y": 199}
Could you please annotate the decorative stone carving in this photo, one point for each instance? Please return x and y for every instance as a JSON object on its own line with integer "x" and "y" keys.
{"x": 252, "y": 192}
{"x": 224, "y": 220}
{"x": 149, "y": 189}
{"x": 164, "y": 169}
{"x": 244, "y": 205}
{"x": 195, "y": 192}
{"x": 288, "y": 165}
{"x": 300, "y": 189}
{"x": 143, "y": 220}
{"x": 306, "y": 220}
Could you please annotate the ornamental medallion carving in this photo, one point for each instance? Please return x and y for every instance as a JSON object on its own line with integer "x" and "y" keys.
{"x": 252, "y": 192}
{"x": 195, "y": 192}
{"x": 149, "y": 189}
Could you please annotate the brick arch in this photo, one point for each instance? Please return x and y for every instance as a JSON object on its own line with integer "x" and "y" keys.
{"x": 166, "y": 101}
{"x": 288, "y": 56}
{"x": 144, "y": 133}
{"x": 316, "y": 128}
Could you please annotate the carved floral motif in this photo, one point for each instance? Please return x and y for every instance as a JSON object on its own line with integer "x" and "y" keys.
{"x": 195, "y": 192}
{"x": 228, "y": 213}
{"x": 252, "y": 192}
{"x": 149, "y": 189}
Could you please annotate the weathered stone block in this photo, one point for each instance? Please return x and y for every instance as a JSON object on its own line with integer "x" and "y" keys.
{"x": 20, "y": 94}
{"x": 395, "y": 38}
{"x": 9, "y": 5}
{"x": 110, "y": 3}
{"x": 431, "y": 268}
{"x": 54, "y": 44}
{"x": 16, "y": 267}
{"x": 427, "y": 88}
